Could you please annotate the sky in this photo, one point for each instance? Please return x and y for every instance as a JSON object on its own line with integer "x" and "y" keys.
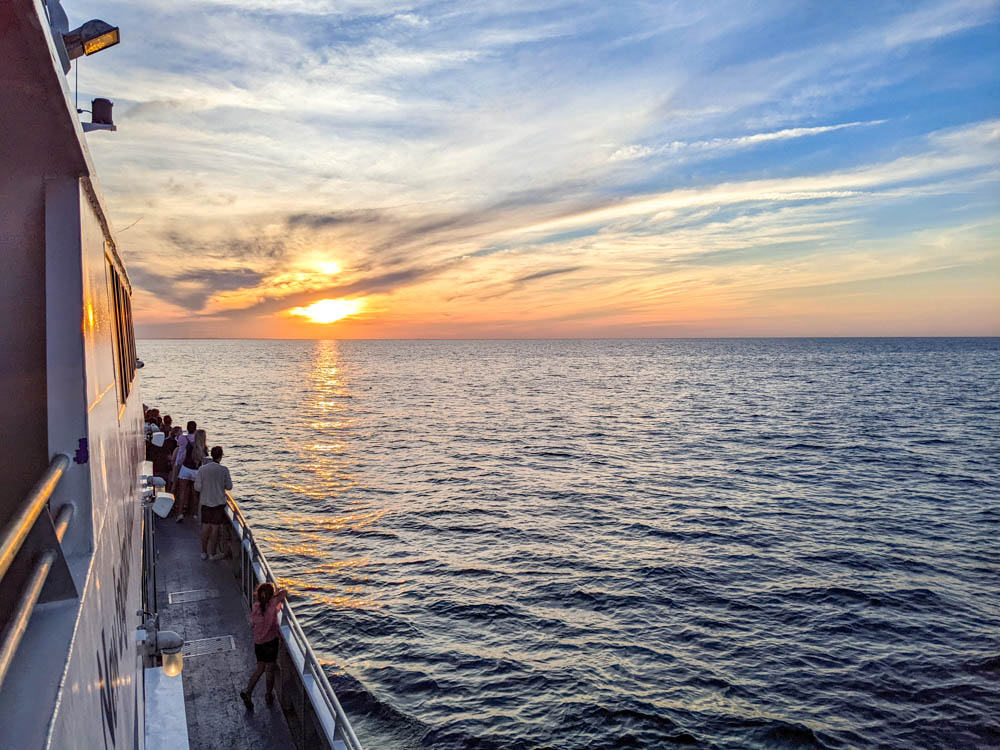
{"x": 552, "y": 169}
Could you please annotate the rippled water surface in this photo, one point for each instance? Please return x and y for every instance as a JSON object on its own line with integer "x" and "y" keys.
{"x": 612, "y": 544}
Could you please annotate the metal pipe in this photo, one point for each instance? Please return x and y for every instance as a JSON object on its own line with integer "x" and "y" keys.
{"x": 20, "y": 524}
{"x": 63, "y": 517}
{"x": 22, "y": 613}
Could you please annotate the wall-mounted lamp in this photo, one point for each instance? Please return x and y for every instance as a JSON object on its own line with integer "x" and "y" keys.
{"x": 163, "y": 643}
{"x": 87, "y": 39}
{"x": 91, "y": 37}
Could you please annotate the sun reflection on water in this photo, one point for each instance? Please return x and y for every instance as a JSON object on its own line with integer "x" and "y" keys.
{"x": 354, "y": 521}
{"x": 318, "y": 469}
{"x": 344, "y": 597}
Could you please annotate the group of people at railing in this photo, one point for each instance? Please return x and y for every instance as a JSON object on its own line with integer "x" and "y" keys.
{"x": 199, "y": 483}
{"x": 195, "y": 477}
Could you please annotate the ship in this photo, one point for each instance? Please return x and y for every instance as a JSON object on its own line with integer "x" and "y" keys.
{"x": 113, "y": 632}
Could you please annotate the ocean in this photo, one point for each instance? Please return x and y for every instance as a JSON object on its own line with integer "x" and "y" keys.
{"x": 746, "y": 543}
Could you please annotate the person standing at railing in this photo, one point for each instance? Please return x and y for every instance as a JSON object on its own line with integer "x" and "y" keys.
{"x": 264, "y": 621}
{"x": 182, "y": 441}
{"x": 211, "y": 483}
{"x": 195, "y": 453}
{"x": 171, "y": 445}
{"x": 163, "y": 455}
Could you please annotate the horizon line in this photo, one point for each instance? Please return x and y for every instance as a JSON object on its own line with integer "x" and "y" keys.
{"x": 563, "y": 338}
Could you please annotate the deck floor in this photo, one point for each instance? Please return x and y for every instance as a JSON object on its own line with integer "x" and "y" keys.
{"x": 216, "y": 717}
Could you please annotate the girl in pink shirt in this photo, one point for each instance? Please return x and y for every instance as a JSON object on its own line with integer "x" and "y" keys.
{"x": 264, "y": 621}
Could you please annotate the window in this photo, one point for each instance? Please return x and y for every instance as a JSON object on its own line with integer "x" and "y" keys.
{"x": 121, "y": 304}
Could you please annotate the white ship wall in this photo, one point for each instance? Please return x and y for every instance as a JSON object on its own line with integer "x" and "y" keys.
{"x": 104, "y": 673}
{"x": 76, "y": 679}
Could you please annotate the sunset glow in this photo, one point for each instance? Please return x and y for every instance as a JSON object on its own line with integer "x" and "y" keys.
{"x": 328, "y": 310}
{"x": 494, "y": 170}
{"x": 329, "y": 267}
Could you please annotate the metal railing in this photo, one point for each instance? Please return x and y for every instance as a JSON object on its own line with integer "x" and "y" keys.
{"x": 12, "y": 540}
{"x": 20, "y": 525}
{"x": 311, "y": 664}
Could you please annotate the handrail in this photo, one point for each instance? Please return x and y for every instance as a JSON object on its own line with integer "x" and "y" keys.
{"x": 20, "y": 524}
{"x": 24, "y": 609}
{"x": 63, "y": 517}
{"x": 333, "y": 704}
{"x": 14, "y": 534}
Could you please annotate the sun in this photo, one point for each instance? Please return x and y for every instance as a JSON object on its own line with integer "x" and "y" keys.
{"x": 328, "y": 310}
{"x": 329, "y": 267}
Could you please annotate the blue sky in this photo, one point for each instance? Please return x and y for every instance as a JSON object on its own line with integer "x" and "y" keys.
{"x": 554, "y": 169}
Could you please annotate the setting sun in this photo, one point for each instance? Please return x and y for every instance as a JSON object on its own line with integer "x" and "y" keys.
{"x": 328, "y": 310}
{"x": 329, "y": 267}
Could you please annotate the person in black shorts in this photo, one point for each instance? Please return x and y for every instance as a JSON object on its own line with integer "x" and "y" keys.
{"x": 266, "y": 639}
{"x": 211, "y": 483}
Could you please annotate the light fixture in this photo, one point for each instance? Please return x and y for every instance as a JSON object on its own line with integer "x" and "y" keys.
{"x": 170, "y": 646}
{"x": 164, "y": 643}
{"x": 92, "y": 37}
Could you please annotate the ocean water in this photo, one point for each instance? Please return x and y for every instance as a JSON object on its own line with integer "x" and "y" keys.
{"x": 635, "y": 543}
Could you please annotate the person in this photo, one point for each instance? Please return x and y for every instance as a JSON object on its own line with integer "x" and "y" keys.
{"x": 170, "y": 451}
{"x": 211, "y": 483}
{"x": 150, "y": 448}
{"x": 194, "y": 456}
{"x": 182, "y": 442}
{"x": 162, "y": 455}
{"x": 264, "y": 621}
{"x": 163, "y": 459}
{"x": 168, "y": 424}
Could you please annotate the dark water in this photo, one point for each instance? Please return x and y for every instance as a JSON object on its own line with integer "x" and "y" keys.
{"x": 614, "y": 544}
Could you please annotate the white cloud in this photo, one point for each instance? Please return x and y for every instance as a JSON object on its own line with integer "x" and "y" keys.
{"x": 726, "y": 144}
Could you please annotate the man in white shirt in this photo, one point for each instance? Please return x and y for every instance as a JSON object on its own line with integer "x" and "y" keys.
{"x": 212, "y": 482}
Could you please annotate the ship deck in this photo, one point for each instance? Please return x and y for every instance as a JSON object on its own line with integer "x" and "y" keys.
{"x": 216, "y": 717}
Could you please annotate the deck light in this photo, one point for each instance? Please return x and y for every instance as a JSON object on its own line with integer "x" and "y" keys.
{"x": 92, "y": 37}
{"x": 170, "y": 646}
{"x": 165, "y": 643}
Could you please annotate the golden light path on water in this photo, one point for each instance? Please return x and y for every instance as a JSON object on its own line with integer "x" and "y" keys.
{"x": 324, "y": 578}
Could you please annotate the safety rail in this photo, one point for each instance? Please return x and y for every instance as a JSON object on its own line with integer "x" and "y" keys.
{"x": 310, "y": 662}
{"x": 12, "y": 540}
{"x": 20, "y": 525}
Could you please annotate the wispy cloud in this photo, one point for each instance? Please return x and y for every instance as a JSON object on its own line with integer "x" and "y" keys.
{"x": 725, "y": 144}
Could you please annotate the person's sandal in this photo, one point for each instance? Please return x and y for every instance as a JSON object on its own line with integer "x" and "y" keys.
{"x": 246, "y": 700}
